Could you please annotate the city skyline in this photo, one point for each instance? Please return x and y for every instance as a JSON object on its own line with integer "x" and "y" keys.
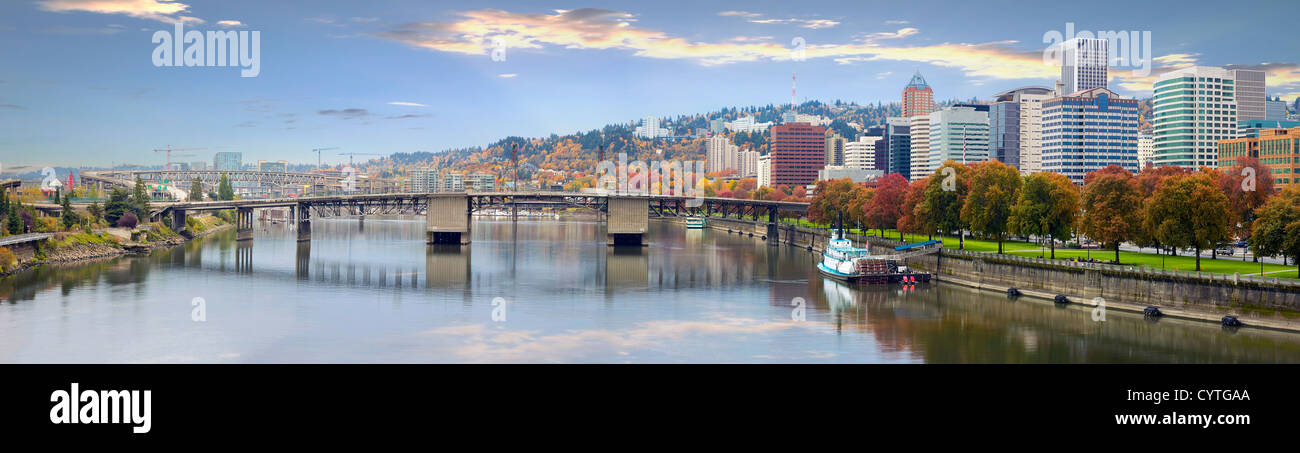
{"x": 328, "y": 76}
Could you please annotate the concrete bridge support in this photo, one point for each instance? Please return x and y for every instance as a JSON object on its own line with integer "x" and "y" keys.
{"x": 448, "y": 220}
{"x": 302, "y": 215}
{"x": 628, "y": 221}
{"x": 773, "y": 227}
{"x": 244, "y": 224}
{"x": 178, "y": 223}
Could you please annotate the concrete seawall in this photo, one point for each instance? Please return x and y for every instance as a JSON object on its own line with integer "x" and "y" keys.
{"x": 1272, "y": 303}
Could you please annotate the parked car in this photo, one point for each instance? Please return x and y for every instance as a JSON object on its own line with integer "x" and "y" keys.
{"x": 1224, "y": 251}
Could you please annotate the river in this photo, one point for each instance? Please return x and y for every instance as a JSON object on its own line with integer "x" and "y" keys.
{"x": 549, "y": 291}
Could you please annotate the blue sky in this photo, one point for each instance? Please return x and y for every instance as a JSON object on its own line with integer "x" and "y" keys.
{"x": 78, "y": 86}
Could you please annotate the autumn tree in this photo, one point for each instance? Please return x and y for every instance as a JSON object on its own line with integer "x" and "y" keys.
{"x": 993, "y": 189}
{"x": 1112, "y": 201}
{"x": 913, "y": 219}
{"x": 1047, "y": 206}
{"x": 944, "y": 196}
{"x": 1276, "y": 228}
{"x": 1247, "y": 185}
{"x": 1188, "y": 211}
{"x": 835, "y": 198}
{"x": 886, "y": 206}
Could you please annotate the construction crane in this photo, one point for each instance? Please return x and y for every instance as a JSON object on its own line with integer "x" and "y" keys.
{"x": 317, "y": 151}
{"x": 169, "y": 150}
{"x": 356, "y": 154}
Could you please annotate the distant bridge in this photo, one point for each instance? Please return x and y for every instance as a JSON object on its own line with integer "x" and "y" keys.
{"x": 447, "y": 215}
{"x": 210, "y": 178}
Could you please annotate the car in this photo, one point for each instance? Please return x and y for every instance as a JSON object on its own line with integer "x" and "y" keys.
{"x": 1224, "y": 251}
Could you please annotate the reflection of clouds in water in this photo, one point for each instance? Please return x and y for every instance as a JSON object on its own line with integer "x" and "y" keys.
{"x": 480, "y": 342}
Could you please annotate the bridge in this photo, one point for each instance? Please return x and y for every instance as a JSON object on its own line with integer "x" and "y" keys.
{"x": 448, "y": 215}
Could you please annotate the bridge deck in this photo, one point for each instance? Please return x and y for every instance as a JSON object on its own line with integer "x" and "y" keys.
{"x": 24, "y": 238}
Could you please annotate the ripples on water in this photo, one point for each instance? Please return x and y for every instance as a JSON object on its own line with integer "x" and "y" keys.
{"x": 377, "y": 293}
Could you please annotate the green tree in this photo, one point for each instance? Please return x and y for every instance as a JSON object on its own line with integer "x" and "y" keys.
{"x": 196, "y": 190}
{"x": 225, "y": 192}
{"x": 1276, "y": 230}
{"x": 140, "y": 199}
{"x": 993, "y": 189}
{"x": 15, "y": 222}
{"x": 68, "y": 216}
{"x": 95, "y": 211}
{"x": 118, "y": 203}
{"x": 1188, "y": 211}
{"x": 1048, "y": 206}
{"x": 945, "y": 193}
{"x": 1112, "y": 201}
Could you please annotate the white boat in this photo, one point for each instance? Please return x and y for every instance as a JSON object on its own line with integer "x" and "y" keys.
{"x": 694, "y": 222}
{"x": 843, "y": 261}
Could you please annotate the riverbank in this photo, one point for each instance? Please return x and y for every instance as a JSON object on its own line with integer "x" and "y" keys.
{"x": 1259, "y": 302}
{"x": 71, "y": 248}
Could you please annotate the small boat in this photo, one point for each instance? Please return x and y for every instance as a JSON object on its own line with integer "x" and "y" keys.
{"x": 695, "y": 223}
{"x": 844, "y": 262}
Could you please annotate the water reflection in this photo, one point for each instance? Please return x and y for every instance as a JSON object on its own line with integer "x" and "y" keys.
{"x": 375, "y": 292}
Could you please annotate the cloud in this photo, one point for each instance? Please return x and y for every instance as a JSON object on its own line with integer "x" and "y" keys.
{"x": 364, "y": 19}
{"x": 897, "y": 22}
{"x": 883, "y": 75}
{"x": 12, "y": 107}
{"x": 230, "y": 23}
{"x": 247, "y": 124}
{"x": 62, "y": 30}
{"x": 408, "y": 104}
{"x": 507, "y": 76}
{"x": 408, "y": 116}
{"x": 759, "y": 19}
{"x": 346, "y": 114}
{"x": 159, "y": 10}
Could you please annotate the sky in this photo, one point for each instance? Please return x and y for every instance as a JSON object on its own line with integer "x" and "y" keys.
{"x": 79, "y": 85}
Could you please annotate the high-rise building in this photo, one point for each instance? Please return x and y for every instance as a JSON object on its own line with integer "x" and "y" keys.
{"x": 227, "y": 161}
{"x": 649, "y": 128}
{"x": 959, "y": 133}
{"x": 718, "y": 154}
{"x": 716, "y": 125}
{"x": 834, "y": 148}
{"x": 1250, "y": 95}
{"x": 918, "y": 98}
{"x": 1084, "y": 64}
{"x": 199, "y": 165}
{"x": 1279, "y": 149}
{"x": 765, "y": 170}
{"x": 798, "y": 150}
{"x": 748, "y": 164}
{"x": 1146, "y": 150}
{"x": 268, "y": 166}
{"x": 1016, "y": 127}
{"x": 861, "y": 154}
{"x": 899, "y": 148}
{"x": 919, "y": 146}
{"x": 1274, "y": 109}
{"x": 422, "y": 180}
{"x": 1089, "y": 130}
{"x": 1194, "y": 108}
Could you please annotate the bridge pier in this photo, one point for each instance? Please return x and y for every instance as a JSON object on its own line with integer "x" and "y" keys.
{"x": 302, "y": 214}
{"x": 447, "y": 220}
{"x": 178, "y": 223}
{"x": 773, "y": 227}
{"x": 244, "y": 224}
{"x": 627, "y": 221}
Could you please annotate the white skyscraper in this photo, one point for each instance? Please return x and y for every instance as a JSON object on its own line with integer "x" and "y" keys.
{"x": 1146, "y": 150}
{"x": 1194, "y": 108}
{"x": 919, "y": 127}
{"x": 1084, "y": 64}
{"x": 959, "y": 133}
{"x": 861, "y": 154}
{"x": 765, "y": 170}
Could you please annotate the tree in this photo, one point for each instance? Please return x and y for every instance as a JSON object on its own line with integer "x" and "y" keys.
{"x": 1188, "y": 211}
{"x": 15, "y": 222}
{"x": 225, "y": 192}
{"x": 993, "y": 189}
{"x": 118, "y": 203}
{"x": 1247, "y": 185}
{"x": 140, "y": 199}
{"x": 886, "y": 206}
{"x": 196, "y": 190}
{"x": 1047, "y": 206}
{"x": 945, "y": 193}
{"x": 67, "y": 215}
{"x": 914, "y": 219}
{"x": 833, "y": 198}
{"x": 1112, "y": 201}
{"x": 95, "y": 211}
{"x": 1276, "y": 229}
